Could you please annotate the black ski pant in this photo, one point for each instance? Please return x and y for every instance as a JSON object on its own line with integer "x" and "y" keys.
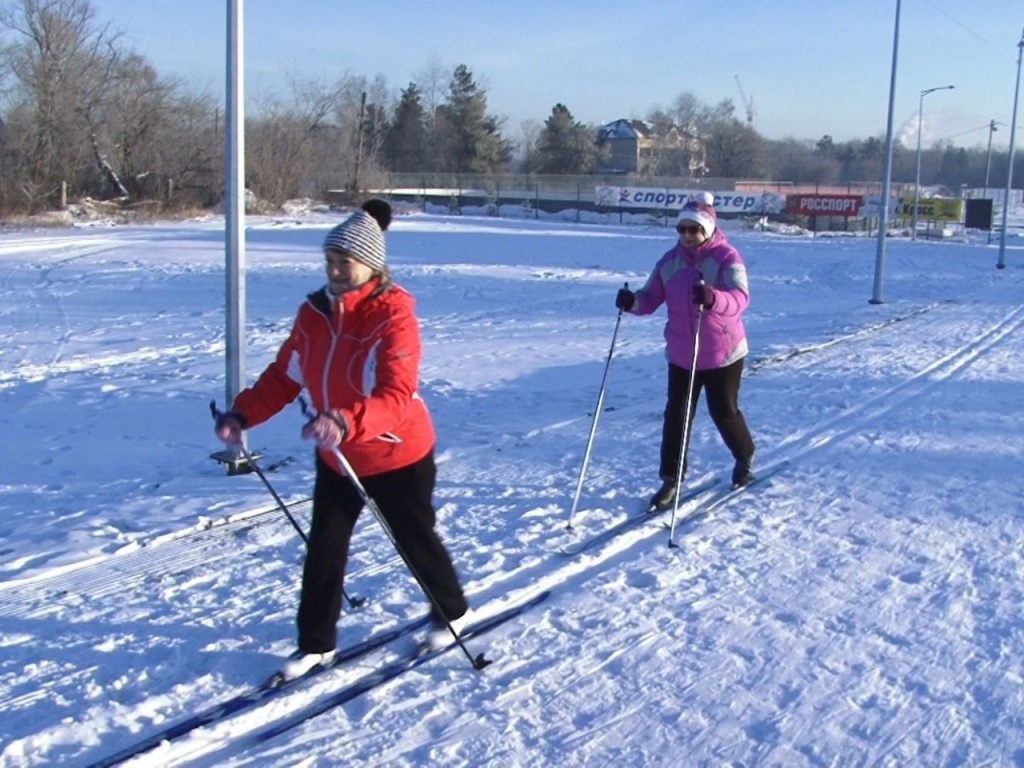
{"x": 404, "y": 497}
{"x": 722, "y": 388}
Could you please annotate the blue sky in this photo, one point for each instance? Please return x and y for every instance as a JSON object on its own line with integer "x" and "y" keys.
{"x": 812, "y": 67}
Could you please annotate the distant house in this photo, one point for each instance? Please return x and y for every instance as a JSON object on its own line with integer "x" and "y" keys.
{"x": 636, "y": 146}
{"x": 624, "y": 141}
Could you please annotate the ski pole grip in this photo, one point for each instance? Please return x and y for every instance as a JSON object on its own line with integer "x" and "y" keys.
{"x": 213, "y": 410}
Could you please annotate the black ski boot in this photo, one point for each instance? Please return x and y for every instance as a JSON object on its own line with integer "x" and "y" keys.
{"x": 742, "y": 473}
{"x": 665, "y": 497}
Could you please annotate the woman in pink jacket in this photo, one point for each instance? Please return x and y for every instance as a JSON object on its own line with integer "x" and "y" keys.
{"x": 703, "y": 269}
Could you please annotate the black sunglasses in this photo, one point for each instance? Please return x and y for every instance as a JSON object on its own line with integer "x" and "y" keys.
{"x": 688, "y": 229}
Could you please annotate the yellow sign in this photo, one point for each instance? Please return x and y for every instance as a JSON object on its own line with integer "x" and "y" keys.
{"x": 933, "y": 209}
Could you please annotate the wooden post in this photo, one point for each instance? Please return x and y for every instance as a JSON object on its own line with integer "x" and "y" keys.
{"x": 359, "y": 149}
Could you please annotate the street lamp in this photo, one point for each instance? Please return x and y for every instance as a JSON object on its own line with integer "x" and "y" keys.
{"x": 917, "y": 181}
{"x": 883, "y": 214}
{"x": 1001, "y": 262}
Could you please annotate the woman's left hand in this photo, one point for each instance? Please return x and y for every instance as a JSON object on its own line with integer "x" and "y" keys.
{"x": 328, "y": 431}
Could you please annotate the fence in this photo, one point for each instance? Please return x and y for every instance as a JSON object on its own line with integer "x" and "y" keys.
{"x": 587, "y": 197}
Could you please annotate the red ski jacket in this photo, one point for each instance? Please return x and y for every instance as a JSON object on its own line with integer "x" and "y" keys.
{"x": 358, "y": 356}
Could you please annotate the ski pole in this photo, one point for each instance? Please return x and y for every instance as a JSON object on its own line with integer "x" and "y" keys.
{"x": 353, "y": 602}
{"x": 688, "y": 414}
{"x": 479, "y": 662}
{"x": 593, "y": 425}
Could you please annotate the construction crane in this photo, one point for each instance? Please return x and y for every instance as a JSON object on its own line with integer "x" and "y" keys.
{"x": 748, "y": 104}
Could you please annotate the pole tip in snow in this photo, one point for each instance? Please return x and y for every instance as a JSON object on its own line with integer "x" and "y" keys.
{"x": 480, "y": 662}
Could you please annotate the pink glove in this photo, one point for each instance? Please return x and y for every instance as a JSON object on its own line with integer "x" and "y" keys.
{"x": 328, "y": 431}
{"x": 228, "y": 428}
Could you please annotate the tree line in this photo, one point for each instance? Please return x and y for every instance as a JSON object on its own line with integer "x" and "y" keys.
{"x": 84, "y": 115}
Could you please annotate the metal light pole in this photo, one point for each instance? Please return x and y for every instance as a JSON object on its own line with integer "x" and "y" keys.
{"x": 917, "y": 180}
{"x": 234, "y": 230}
{"x": 234, "y": 204}
{"x": 1001, "y": 263}
{"x": 988, "y": 157}
{"x": 883, "y": 218}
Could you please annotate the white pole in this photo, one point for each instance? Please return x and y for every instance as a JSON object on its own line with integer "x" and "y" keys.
{"x": 883, "y": 219}
{"x": 1001, "y": 263}
{"x": 917, "y": 180}
{"x": 234, "y": 206}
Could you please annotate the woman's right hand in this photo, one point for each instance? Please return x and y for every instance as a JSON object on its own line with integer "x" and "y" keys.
{"x": 228, "y": 428}
{"x": 624, "y": 299}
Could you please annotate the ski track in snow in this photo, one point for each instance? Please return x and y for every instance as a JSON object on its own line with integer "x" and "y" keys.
{"x": 845, "y": 659}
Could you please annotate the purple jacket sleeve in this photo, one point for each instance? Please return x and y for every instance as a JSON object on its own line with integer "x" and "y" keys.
{"x": 652, "y": 295}
{"x": 731, "y": 292}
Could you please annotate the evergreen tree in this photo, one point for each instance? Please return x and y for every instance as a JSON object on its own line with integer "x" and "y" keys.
{"x": 825, "y": 147}
{"x": 405, "y": 143}
{"x": 470, "y": 139}
{"x": 564, "y": 145}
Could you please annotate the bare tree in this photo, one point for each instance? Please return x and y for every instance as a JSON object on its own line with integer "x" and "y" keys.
{"x": 187, "y": 156}
{"x": 160, "y": 135}
{"x": 527, "y": 147}
{"x": 432, "y": 83}
{"x": 734, "y": 148}
{"x": 361, "y": 128}
{"x": 286, "y": 146}
{"x": 60, "y": 62}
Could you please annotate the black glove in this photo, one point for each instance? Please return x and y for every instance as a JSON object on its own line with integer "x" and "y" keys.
{"x": 704, "y": 295}
{"x": 624, "y": 299}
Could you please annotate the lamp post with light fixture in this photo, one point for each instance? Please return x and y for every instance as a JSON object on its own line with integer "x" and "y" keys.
{"x": 1001, "y": 262}
{"x": 917, "y": 179}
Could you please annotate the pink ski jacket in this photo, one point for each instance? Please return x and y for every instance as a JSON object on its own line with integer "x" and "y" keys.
{"x": 723, "y": 340}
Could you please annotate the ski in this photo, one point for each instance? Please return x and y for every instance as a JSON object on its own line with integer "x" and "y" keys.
{"x": 634, "y": 521}
{"x": 388, "y": 672}
{"x": 718, "y": 499}
{"x": 274, "y": 686}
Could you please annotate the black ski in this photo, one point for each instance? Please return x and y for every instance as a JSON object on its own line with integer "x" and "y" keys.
{"x": 701, "y": 510}
{"x": 272, "y": 687}
{"x": 388, "y": 672}
{"x": 632, "y": 521}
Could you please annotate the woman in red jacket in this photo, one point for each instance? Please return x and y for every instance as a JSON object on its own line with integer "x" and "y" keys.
{"x": 355, "y": 348}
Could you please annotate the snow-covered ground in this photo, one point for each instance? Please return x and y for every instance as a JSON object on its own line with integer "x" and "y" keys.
{"x": 861, "y": 607}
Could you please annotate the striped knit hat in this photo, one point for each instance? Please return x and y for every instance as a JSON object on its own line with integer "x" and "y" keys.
{"x": 361, "y": 237}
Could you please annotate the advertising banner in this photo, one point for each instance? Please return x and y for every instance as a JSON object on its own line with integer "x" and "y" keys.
{"x": 824, "y": 205}
{"x": 674, "y": 199}
{"x": 933, "y": 209}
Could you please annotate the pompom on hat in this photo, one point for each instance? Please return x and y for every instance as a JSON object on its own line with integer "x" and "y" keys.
{"x": 699, "y": 211}
{"x": 362, "y": 236}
